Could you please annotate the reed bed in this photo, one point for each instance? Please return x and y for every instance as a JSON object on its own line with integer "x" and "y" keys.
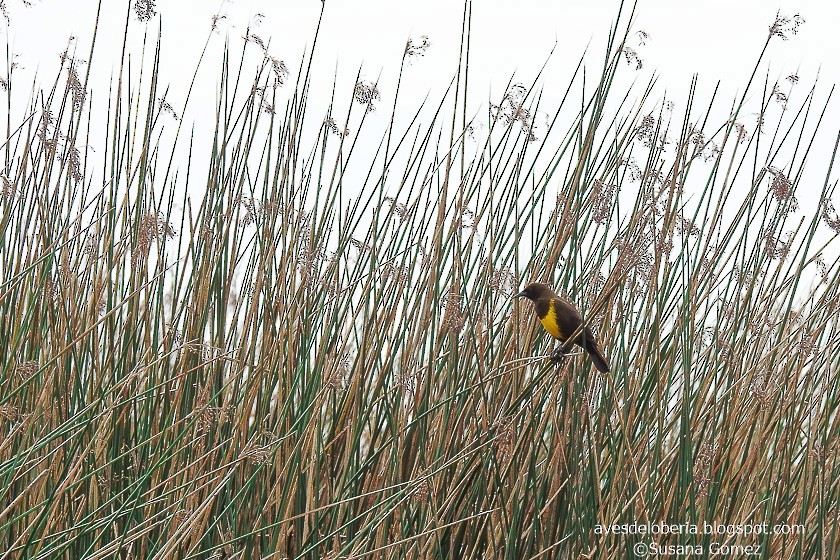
{"x": 278, "y": 355}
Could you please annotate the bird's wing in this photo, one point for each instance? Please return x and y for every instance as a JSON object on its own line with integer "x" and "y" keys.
{"x": 568, "y": 318}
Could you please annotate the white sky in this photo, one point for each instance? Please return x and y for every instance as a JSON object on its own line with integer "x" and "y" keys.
{"x": 717, "y": 39}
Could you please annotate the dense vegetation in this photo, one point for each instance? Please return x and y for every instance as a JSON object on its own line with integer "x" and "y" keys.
{"x": 277, "y": 355}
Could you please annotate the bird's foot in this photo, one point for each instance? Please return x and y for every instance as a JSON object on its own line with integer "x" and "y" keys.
{"x": 558, "y": 356}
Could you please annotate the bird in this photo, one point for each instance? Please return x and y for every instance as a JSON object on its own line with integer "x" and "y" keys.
{"x": 561, "y": 319}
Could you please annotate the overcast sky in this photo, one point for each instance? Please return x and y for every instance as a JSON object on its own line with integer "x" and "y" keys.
{"x": 717, "y": 39}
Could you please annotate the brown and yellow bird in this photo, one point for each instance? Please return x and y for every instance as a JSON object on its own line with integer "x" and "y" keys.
{"x": 561, "y": 320}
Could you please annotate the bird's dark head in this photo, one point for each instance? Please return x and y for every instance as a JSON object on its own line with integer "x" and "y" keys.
{"x": 534, "y": 291}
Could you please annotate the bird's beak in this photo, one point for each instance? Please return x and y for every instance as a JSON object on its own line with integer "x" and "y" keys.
{"x": 520, "y": 294}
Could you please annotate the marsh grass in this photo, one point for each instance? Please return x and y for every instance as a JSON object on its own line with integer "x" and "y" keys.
{"x": 277, "y": 363}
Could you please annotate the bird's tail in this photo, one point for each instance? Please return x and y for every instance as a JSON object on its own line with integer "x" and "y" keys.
{"x": 598, "y": 359}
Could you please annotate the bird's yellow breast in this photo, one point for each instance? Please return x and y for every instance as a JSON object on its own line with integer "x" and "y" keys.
{"x": 549, "y": 322}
